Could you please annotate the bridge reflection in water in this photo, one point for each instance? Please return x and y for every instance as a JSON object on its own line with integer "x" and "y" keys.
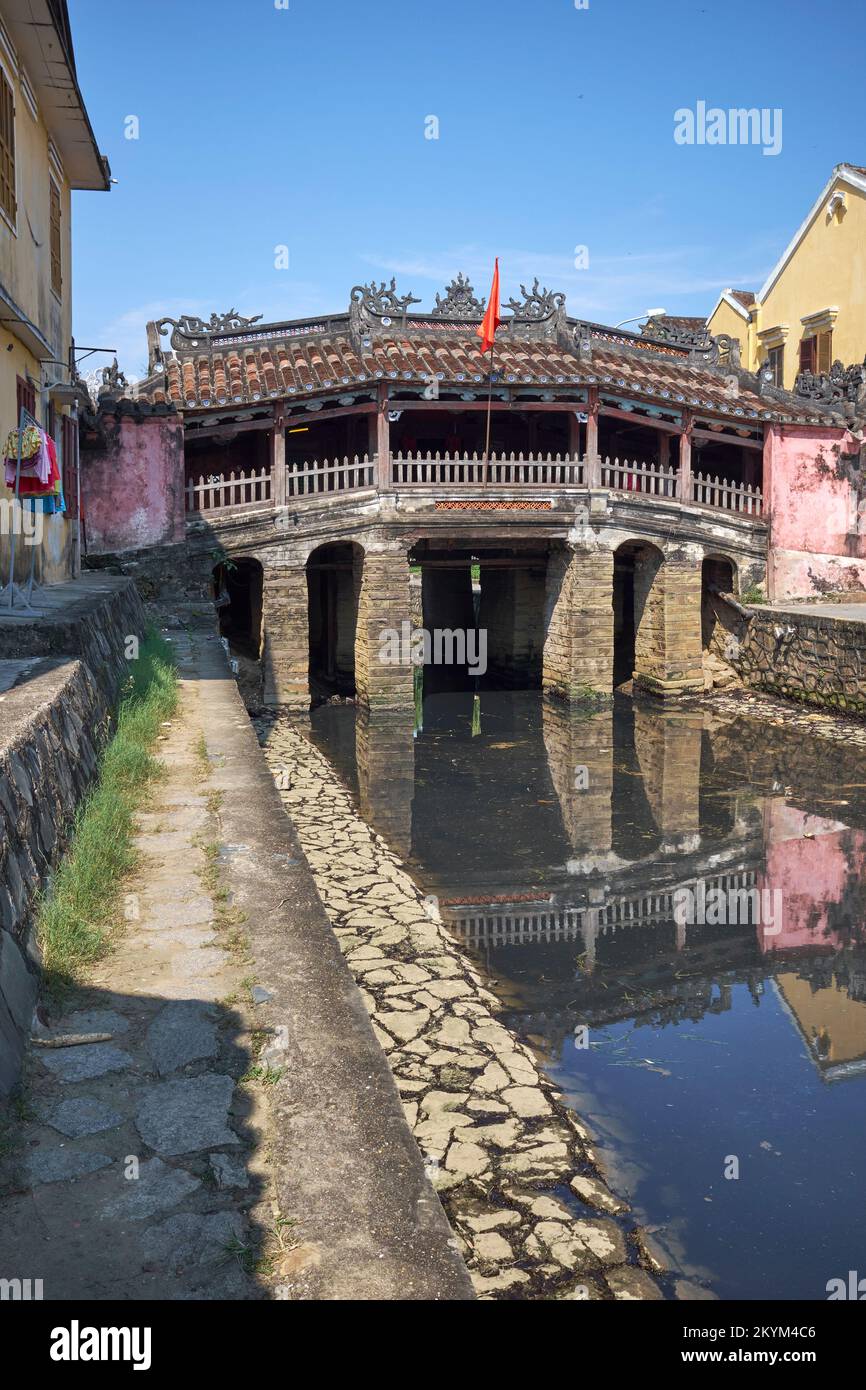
{"x": 562, "y": 851}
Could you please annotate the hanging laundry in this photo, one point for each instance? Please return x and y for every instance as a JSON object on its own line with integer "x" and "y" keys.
{"x": 31, "y": 442}
{"x": 36, "y": 463}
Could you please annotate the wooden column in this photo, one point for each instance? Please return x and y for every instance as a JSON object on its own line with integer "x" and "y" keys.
{"x": 573, "y": 435}
{"x": 684, "y": 478}
{"x": 593, "y": 462}
{"x": 278, "y": 458}
{"x": 383, "y": 442}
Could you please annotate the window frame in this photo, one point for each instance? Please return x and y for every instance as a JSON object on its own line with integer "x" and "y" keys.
{"x": 776, "y": 360}
{"x": 55, "y": 260}
{"x": 25, "y": 394}
{"x": 816, "y": 352}
{"x": 10, "y": 218}
{"x": 68, "y": 434}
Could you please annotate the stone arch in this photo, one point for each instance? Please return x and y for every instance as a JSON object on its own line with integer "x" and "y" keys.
{"x": 638, "y": 611}
{"x": 719, "y": 575}
{"x": 238, "y": 590}
{"x": 333, "y": 572}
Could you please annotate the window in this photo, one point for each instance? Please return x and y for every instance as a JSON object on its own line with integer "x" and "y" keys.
{"x": 776, "y": 363}
{"x": 8, "y": 201}
{"x": 816, "y": 353}
{"x": 56, "y": 243}
{"x": 825, "y": 351}
{"x": 68, "y": 437}
{"x": 25, "y": 396}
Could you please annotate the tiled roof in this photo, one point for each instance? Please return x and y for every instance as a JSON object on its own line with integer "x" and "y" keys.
{"x": 300, "y": 367}
{"x": 745, "y": 297}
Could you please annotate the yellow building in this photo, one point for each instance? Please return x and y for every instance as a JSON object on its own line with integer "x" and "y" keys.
{"x": 47, "y": 148}
{"x": 812, "y": 309}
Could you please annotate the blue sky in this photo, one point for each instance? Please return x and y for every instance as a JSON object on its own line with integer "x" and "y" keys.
{"x": 304, "y": 127}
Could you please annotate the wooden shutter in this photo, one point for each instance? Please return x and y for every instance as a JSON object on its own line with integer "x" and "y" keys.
{"x": 25, "y": 395}
{"x": 825, "y": 351}
{"x": 56, "y": 241}
{"x": 7, "y": 149}
{"x": 808, "y": 355}
{"x": 68, "y": 435}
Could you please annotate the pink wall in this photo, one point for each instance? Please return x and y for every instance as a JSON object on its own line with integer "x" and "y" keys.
{"x": 132, "y": 481}
{"x": 811, "y": 873}
{"x": 815, "y": 544}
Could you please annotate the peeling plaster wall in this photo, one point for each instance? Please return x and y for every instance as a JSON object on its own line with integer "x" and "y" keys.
{"x": 132, "y": 484}
{"x": 813, "y": 491}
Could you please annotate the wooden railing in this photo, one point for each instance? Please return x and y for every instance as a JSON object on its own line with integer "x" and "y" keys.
{"x": 653, "y": 479}
{"x": 237, "y": 490}
{"x": 730, "y": 497}
{"x": 500, "y": 470}
{"x": 335, "y": 475}
{"x": 458, "y": 471}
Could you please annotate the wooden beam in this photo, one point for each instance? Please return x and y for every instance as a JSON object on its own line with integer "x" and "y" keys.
{"x": 562, "y": 407}
{"x": 650, "y": 422}
{"x": 229, "y": 431}
{"x": 711, "y": 437}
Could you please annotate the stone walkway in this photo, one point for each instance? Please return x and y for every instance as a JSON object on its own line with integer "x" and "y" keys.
{"x": 513, "y": 1166}
{"x": 136, "y": 1169}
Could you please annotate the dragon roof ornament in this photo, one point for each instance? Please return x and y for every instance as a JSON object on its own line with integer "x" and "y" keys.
{"x": 460, "y": 302}
{"x": 538, "y": 304}
{"x": 841, "y": 383}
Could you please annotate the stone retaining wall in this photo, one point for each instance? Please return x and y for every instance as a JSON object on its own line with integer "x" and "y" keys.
{"x": 55, "y": 722}
{"x": 815, "y": 660}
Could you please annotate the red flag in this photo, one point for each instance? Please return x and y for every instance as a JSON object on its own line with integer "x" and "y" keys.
{"x": 492, "y": 320}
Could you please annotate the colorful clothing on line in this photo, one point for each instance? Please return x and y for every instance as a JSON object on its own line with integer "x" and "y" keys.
{"x": 45, "y": 479}
{"x": 31, "y": 442}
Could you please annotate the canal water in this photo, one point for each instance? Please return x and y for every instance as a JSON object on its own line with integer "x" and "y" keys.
{"x": 671, "y": 907}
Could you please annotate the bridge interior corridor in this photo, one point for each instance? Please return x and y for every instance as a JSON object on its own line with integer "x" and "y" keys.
{"x": 482, "y": 610}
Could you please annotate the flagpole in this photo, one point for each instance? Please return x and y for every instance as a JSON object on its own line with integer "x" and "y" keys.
{"x": 489, "y": 408}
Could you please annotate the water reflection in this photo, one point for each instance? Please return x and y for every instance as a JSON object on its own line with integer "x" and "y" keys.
{"x": 562, "y": 850}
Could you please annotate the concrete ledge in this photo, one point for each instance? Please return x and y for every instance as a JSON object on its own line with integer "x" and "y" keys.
{"x": 368, "y": 1223}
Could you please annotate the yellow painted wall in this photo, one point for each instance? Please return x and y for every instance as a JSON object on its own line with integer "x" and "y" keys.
{"x": 727, "y": 320}
{"x": 827, "y": 268}
{"x": 25, "y": 273}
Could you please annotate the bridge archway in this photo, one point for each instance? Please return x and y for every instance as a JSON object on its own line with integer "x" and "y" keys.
{"x": 334, "y": 575}
{"x": 718, "y": 576}
{"x": 638, "y": 611}
{"x": 238, "y": 587}
{"x": 492, "y": 599}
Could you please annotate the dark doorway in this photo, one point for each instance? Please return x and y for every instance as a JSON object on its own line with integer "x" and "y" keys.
{"x": 333, "y": 577}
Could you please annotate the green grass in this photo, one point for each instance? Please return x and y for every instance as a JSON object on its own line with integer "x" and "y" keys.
{"x": 84, "y": 905}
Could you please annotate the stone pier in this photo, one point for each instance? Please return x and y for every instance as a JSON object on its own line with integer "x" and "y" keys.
{"x": 384, "y": 603}
{"x": 285, "y": 621}
{"x": 667, "y": 599}
{"x": 578, "y": 623}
